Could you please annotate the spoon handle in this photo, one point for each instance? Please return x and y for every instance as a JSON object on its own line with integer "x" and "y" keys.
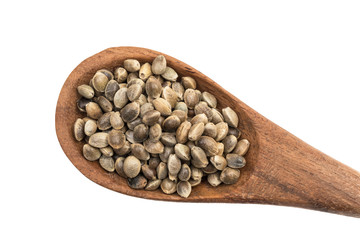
{"x": 292, "y": 173}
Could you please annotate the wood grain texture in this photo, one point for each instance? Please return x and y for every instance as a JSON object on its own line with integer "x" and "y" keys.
{"x": 281, "y": 169}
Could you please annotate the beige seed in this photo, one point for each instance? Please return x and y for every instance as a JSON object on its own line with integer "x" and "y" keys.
{"x": 162, "y": 106}
{"x": 134, "y": 92}
{"x": 220, "y": 147}
{"x": 159, "y": 65}
{"x": 111, "y": 88}
{"x": 188, "y": 82}
{"x": 136, "y": 81}
{"x": 191, "y": 98}
{"x": 132, "y": 166}
{"x": 196, "y": 131}
{"x": 103, "y": 123}
{"x": 182, "y": 132}
{"x": 194, "y": 183}
{"x": 229, "y": 142}
{"x": 171, "y": 123}
{"x": 219, "y": 162}
{"x": 208, "y": 144}
{"x": 132, "y": 65}
{"x": 168, "y": 186}
{"x": 222, "y": 130}
{"x": 90, "y": 153}
{"x": 214, "y": 179}
{"x": 107, "y": 151}
{"x": 93, "y": 110}
{"x": 170, "y": 74}
{"x": 141, "y": 133}
{"x": 139, "y": 152}
{"x": 210, "y": 130}
{"x": 168, "y": 139}
{"x": 145, "y": 108}
{"x": 164, "y": 156}
{"x": 153, "y": 185}
{"x": 170, "y": 95}
{"x": 138, "y": 182}
{"x": 90, "y": 127}
{"x": 196, "y": 173}
{"x": 230, "y": 175}
{"x": 180, "y": 114}
{"x": 120, "y": 74}
{"x": 174, "y": 165}
{"x": 120, "y": 98}
{"x": 209, "y": 99}
{"x": 242, "y": 147}
{"x": 145, "y": 71}
{"x": 153, "y": 87}
{"x": 235, "y": 160}
{"x": 199, "y": 158}
{"x": 217, "y": 117}
{"x": 119, "y": 166}
{"x": 183, "y": 188}
{"x": 99, "y": 140}
{"x": 107, "y": 73}
{"x": 154, "y": 162}
{"x": 132, "y": 76}
{"x": 179, "y": 90}
{"x": 199, "y": 118}
{"x": 86, "y": 91}
{"x": 182, "y": 151}
{"x": 209, "y": 169}
{"x": 99, "y": 81}
{"x": 162, "y": 171}
{"x": 153, "y": 147}
{"x": 185, "y": 173}
{"x": 202, "y": 107}
{"x": 104, "y": 104}
{"x": 79, "y": 129}
{"x": 155, "y": 132}
{"x": 130, "y": 112}
{"x": 116, "y": 139}
{"x": 181, "y": 106}
{"x": 151, "y": 117}
{"x": 130, "y": 136}
{"x": 141, "y": 100}
{"x": 190, "y": 144}
{"x": 107, "y": 163}
{"x": 116, "y": 121}
{"x": 148, "y": 172}
{"x": 230, "y": 117}
{"x": 234, "y": 131}
{"x": 124, "y": 149}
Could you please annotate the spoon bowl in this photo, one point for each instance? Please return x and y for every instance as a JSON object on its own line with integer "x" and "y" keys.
{"x": 281, "y": 169}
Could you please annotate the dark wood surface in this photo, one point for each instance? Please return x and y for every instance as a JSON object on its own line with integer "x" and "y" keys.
{"x": 281, "y": 169}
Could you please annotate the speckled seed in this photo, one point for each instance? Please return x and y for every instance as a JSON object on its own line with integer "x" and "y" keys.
{"x": 107, "y": 151}
{"x": 230, "y": 117}
{"x": 153, "y": 87}
{"x": 90, "y": 153}
{"x": 151, "y": 117}
{"x": 104, "y": 104}
{"x": 229, "y": 142}
{"x": 148, "y": 172}
{"x": 199, "y": 158}
{"x": 209, "y": 169}
{"x": 183, "y": 188}
{"x": 145, "y": 108}
{"x": 93, "y": 110}
{"x": 99, "y": 140}
{"x": 130, "y": 112}
{"x": 161, "y": 170}
{"x": 242, "y": 147}
{"x": 120, "y": 74}
{"x": 111, "y": 88}
{"x": 159, "y": 65}
{"x": 132, "y": 65}
{"x": 116, "y": 139}
{"x": 170, "y": 74}
{"x": 209, "y": 99}
{"x": 153, "y": 185}
{"x": 168, "y": 186}
{"x": 182, "y": 151}
{"x": 162, "y": 106}
{"x": 210, "y": 130}
{"x": 86, "y": 91}
{"x": 214, "y": 179}
{"x": 119, "y": 164}
{"x": 116, "y": 121}
{"x": 170, "y": 95}
{"x": 154, "y": 162}
{"x": 81, "y": 104}
{"x": 235, "y": 160}
{"x": 107, "y": 163}
{"x": 219, "y": 162}
{"x": 165, "y": 155}
{"x": 185, "y": 173}
{"x": 132, "y": 166}
{"x": 191, "y": 98}
{"x": 134, "y": 92}
{"x": 171, "y": 123}
{"x": 168, "y": 139}
{"x": 199, "y": 118}
{"x": 139, "y": 152}
{"x": 196, "y": 131}
{"x": 174, "y": 165}
{"x": 138, "y": 182}
{"x": 90, "y": 127}
{"x": 120, "y": 98}
{"x": 208, "y": 144}
{"x": 222, "y": 130}
{"x": 230, "y": 175}
{"x": 234, "y": 131}
{"x": 202, "y": 107}
{"x": 217, "y": 117}
{"x": 124, "y": 149}
{"x": 182, "y": 132}
{"x": 154, "y": 147}
{"x": 155, "y": 132}
{"x": 103, "y": 123}
{"x": 145, "y": 71}
{"x": 99, "y": 81}
{"x": 188, "y": 82}
{"x": 181, "y": 106}
{"x": 79, "y": 129}
{"x": 141, "y": 133}
{"x": 180, "y": 114}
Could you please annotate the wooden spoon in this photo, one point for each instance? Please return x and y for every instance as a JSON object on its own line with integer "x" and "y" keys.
{"x": 281, "y": 169}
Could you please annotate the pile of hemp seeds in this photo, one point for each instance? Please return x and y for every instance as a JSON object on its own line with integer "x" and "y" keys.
{"x": 156, "y": 131}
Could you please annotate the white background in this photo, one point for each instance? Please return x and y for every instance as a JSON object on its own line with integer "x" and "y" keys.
{"x": 295, "y": 62}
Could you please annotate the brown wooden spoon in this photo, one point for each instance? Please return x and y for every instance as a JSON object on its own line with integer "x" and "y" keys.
{"x": 281, "y": 169}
